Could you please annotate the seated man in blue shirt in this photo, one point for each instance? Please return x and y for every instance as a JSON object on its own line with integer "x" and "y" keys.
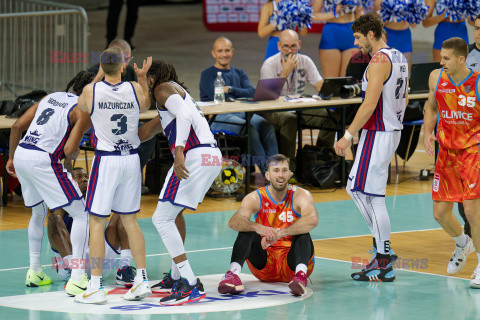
{"x": 237, "y": 85}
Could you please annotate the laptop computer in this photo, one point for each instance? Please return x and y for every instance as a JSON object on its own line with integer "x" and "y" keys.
{"x": 419, "y": 76}
{"x": 267, "y": 89}
{"x": 331, "y": 86}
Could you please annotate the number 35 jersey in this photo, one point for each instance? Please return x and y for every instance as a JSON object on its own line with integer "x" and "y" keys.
{"x": 115, "y": 114}
{"x": 51, "y": 126}
{"x": 277, "y": 215}
{"x": 390, "y": 108}
{"x": 459, "y": 111}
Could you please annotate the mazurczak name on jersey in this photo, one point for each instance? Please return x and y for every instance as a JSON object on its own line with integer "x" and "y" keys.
{"x": 50, "y": 127}
{"x": 116, "y": 105}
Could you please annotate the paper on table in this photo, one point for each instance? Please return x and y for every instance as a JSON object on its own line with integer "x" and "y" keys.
{"x": 205, "y": 103}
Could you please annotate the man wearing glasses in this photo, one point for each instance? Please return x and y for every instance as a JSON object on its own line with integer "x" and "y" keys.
{"x": 129, "y": 74}
{"x": 297, "y": 69}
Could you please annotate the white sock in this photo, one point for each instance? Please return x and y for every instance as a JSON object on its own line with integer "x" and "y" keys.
{"x": 126, "y": 258}
{"x": 35, "y": 262}
{"x": 67, "y": 261}
{"x": 461, "y": 240}
{"x": 236, "y": 268}
{"x": 78, "y": 236}
{"x": 141, "y": 275}
{"x": 301, "y": 267}
{"x": 187, "y": 272}
{"x": 175, "y": 273}
{"x": 95, "y": 282}
{"x": 35, "y": 235}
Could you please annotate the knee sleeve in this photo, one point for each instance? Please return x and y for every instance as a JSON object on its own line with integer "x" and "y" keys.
{"x": 164, "y": 221}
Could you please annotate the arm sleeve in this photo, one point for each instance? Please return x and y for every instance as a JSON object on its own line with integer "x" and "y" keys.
{"x": 246, "y": 90}
{"x": 177, "y": 106}
{"x": 313, "y": 76}
{"x": 206, "y": 86}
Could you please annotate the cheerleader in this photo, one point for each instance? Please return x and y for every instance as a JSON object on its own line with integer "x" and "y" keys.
{"x": 336, "y": 45}
{"x": 449, "y": 24}
{"x": 268, "y": 25}
{"x": 397, "y": 18}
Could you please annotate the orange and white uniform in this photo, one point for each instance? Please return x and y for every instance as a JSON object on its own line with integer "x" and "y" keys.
{"x": 456, "y": 175}
{"x": 278, "y": 216}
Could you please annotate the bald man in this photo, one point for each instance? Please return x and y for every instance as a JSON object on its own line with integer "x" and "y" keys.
{"x": 298, "y": 69}
{"x": 237, "y": 85}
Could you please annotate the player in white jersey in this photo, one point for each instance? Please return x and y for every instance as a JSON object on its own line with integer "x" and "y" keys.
{"x": 384, "y": 89}
{"x": 197, "y": 162}
{"x": 115, "y": 180}
{"x": 55, "y": 128}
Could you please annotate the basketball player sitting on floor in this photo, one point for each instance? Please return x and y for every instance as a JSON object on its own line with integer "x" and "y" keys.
{"x": 59, "y": 229}
{"x": 277, "y": 245}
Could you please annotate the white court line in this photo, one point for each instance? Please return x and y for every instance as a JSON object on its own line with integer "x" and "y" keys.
{"x": 407, "y": 270}
{"x": 226, "y": 248}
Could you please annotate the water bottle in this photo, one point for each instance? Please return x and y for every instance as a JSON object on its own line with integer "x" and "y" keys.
{"x": 219, "y": 85}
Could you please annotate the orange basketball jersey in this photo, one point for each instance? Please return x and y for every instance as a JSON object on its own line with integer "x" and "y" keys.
{"x": 277, "y": 215}
{"x": 459, "y": 111}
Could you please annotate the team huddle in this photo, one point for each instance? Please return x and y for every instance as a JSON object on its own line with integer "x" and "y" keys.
{"x": 276, "y": 245}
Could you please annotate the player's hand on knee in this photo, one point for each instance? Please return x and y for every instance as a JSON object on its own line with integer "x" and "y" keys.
{"x": 11, "y": 168}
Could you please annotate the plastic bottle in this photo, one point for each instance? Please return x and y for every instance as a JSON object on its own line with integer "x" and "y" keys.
{"x": 219, "y": 85}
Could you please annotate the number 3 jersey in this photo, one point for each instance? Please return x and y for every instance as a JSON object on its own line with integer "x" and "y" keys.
{"x": 277, "y": 215}
{"x": 459, "y": 111}
{"x": 390, "y": 108}
{"x": 115, "y": 114}
{"x": 51, "y": 126}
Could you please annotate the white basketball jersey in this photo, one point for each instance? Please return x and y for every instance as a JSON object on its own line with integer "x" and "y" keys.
{"x": 199, "y": 131}
{"x": 390, "y": 109}
{"x": 51, "y": 127}
{"x": 115, "y": 114}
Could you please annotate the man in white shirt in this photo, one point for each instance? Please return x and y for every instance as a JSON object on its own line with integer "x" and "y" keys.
{"x": 297, "y": 69}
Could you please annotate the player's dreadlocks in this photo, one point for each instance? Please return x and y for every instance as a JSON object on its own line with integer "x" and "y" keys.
{"x": 80, "y": 81}
{"x": 161, "y": 72}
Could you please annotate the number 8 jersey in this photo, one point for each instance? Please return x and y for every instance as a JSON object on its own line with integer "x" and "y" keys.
{"x": 115, "y": 114}
{"x": 390, "y": 109}
{"x": 51, "y": 126}
{"x": 459, "y": 111}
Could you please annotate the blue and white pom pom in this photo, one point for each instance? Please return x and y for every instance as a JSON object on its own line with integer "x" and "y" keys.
{"x": 294, "y": 13}
{"x": 305, "y": 13}
{"x": 412, "y": 11}
{"x": 455, "y": 9}
{"x": 393, "y": 10}
{"x": 416, "y": 11}
{"x": 472, "y": 9}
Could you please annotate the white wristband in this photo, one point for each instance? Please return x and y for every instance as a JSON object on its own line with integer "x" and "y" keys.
{"x": 348, "y": 136}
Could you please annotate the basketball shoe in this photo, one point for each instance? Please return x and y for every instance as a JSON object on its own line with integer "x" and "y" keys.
{"x": 35, "y": 279}
{"x": 184, "y": 293}
{"x": 125, "y": 276}
{"x": 231, "y": 284}
{"x": 459, "y": 258}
